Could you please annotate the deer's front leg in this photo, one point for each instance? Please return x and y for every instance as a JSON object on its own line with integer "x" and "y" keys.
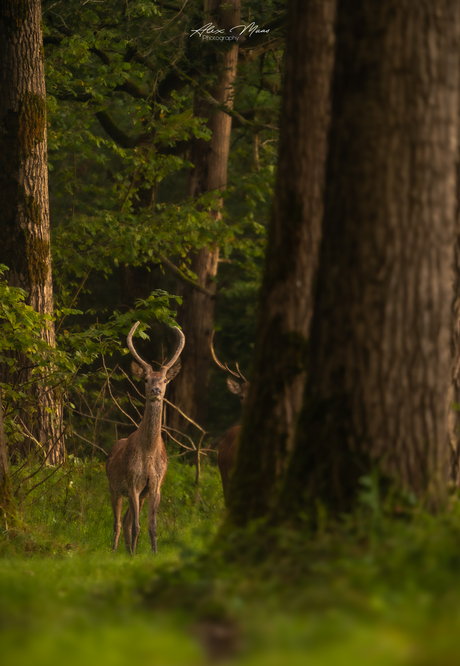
{"x": 117, "y": 502}
{"x": 135, "y": 524}
{"x": 154, "y": 502}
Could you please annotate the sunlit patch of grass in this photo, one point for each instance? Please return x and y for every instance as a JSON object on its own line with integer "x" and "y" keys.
{"x": 71, "y": 510}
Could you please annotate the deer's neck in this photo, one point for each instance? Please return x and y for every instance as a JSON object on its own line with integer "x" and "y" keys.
{"x": 150, "y": 427}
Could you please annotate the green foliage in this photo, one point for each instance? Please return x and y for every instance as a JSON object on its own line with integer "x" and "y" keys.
{"x": 71, "y": 365}
{"x": 22, "y": 326}
{"x": 121, "y": 87}
{"x": 116, "y": 134}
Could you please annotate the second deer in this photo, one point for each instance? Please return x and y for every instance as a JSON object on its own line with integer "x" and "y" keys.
{"x": 137, "y": 465}
{"x": 226, "y": 452}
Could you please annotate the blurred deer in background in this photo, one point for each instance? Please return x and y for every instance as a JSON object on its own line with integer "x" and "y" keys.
{"x": 227, "y": 446}
{"x": 137, "y": 465}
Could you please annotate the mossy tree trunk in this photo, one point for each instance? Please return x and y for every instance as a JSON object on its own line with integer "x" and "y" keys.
{"x": 24, "y": 220}
{"x": 278, "y": 377}
{"x": 209, "y": 174}
{"x": 379, "y": 354}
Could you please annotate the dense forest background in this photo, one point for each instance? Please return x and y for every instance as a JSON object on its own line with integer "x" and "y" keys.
{"x": 127, "y": 220}
{"x": 279, "y": 181}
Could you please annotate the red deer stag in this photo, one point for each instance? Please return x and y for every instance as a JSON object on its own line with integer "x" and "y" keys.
{"x": 227, "y": 446}
{"x": 137, "y": 465}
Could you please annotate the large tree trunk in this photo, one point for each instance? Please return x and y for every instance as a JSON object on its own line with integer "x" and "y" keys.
{"x": 453, "y": 406}
{"x": 379, "y": 356}
{"x": 24, "y": 220}
{"x": 278, "y": 378}
{"x": 209, "y": 173}
{"x": 453, "y": 398}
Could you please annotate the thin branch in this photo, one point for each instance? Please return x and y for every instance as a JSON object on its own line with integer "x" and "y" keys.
{"x": 198, "y": 462}
{"x": 108, "y": 124}
{"x": 42, "y": 481}
{"x": 205, "y": 95}
{"x": 132, "y": 384}
{"x": 252, "y": 51}
{"x": 180, "y": 443}
{"x": 185, "y": 416}
{"x": 112, "y": 396}
{"x": 251, "y": 43}
{"x": 73, "y": 97}
{"x": 92, "y": 443}
{"x": 178, "y": 455}
{"x": 96, "y": 418}
{"x": 101, "y": 54}
{"x": 184, "y": 278}
{"x": 49, "y": 489}
{"x": 132, "y": 89}
{"x": 29, "y": 434}
{"x": 75, "y": 297}
{"x": 133, "y": 405}
{"x": 168, "y": 430}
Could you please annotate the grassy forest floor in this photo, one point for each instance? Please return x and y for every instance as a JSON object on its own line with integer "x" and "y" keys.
{"x": 377, "y": 589}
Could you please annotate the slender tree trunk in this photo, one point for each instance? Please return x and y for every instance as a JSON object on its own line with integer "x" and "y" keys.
{"x": 24, "y": 222}
{"x": 278, "y": 377}
{"x": 6, "y": 500}
{"x": 379, "y": 352}
{"x": 208, "y": 174}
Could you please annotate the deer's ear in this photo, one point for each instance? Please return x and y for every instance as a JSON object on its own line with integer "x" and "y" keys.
{"x": 138, "y": 372}
{"x": 235, "y": 387}
{"x": 173, "y": 372}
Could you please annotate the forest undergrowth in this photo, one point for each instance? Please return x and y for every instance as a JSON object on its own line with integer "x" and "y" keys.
{"x": 381, "y": 587}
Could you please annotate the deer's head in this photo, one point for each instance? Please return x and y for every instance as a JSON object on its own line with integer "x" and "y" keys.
{"x": 156, "y": 382}
{"x": 240, "y": 387}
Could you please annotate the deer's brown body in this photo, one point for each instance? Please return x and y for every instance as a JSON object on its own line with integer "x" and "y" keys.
{"x": 137, "y": 465}
{"x": 226, "y": 452}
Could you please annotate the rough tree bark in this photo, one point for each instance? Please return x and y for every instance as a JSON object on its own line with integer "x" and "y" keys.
{"x": 379, "y": 358}
{"x": 278, "y": 377}
{"x": 209, "y": 173}
{"x": 24, "y": 222}
{"x": 453, "y": 397}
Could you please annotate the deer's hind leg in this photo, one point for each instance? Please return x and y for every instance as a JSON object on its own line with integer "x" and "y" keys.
{"x": 127, "y": 529}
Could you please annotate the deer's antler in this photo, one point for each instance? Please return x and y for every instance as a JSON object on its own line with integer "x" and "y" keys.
{"x": 225, "y": 367}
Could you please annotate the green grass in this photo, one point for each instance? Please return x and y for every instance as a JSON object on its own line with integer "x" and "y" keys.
{"x": 376, "y": 589}
{"x": 71, "y": 511}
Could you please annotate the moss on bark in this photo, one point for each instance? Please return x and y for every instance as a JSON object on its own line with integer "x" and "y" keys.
{"x": 32, "y": 123}
{"x": 13, "y": 14}
{"x": 24, "y": 253}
